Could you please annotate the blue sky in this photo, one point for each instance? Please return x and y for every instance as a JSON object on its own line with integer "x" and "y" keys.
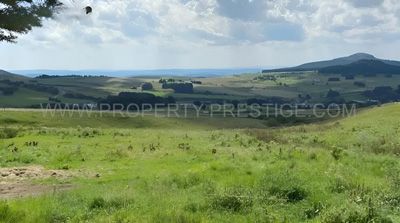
{"x": 156, "y": 34}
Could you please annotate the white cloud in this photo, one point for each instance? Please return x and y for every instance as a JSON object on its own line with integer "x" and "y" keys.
{"x": 141, "y": 30}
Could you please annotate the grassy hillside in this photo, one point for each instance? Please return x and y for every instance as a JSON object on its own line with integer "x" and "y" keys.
{"x": 213, "y": 89}
{"x": 37, "y": 119}
{"x": 363, "y": 67}
{"x": 146, "y": 171}
{"x": 7, "y": 75}
{"x": 290, "y": 86}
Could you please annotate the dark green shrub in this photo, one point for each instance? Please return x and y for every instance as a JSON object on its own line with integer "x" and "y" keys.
{"x": 291, "y": 193}
{"x": 233, "y": 200}
{"x": 359, "y": 84}
{"x": 8, "y": 133}
{"x": 283, "y": 185}
{"x": 97, "y": 203}
{"x": 115, "y": 203}
{"x": 336, "y": 153}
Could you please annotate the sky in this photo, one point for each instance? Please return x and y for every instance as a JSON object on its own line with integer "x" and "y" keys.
{"x": 164, "y": 34}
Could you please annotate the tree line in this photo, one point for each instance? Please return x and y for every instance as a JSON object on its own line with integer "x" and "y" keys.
{"x": 139, "y": 99}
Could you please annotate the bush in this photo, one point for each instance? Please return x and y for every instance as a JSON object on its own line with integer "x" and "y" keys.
{"x": 179, "y": 87}
{"x": 115, "y": 203}
{"x": 359, "y": 84}
{"x": 233, "y": 200}
{"x": 383, "y": 94}
{"x": 129, "y": 98}
{"x": 146, "y": 86}
{"x": 8, "y": 133}
{"x": 80, "y": 96}
{"x": 97, "y": 203}
{"x": 336, "y": 153}
{"x": 291, "y": 194}
{"x": 333, "y": 79}
{"x": 332, "y": 94}
{"x": 283, "y": 185}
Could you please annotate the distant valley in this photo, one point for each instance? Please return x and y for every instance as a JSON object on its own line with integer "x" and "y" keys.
{"x": 360, "y": 78}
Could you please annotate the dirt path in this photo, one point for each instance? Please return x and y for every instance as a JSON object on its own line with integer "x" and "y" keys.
{"x": 17, "y": 181}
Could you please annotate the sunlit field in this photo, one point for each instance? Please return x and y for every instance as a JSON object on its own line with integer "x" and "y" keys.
{"x": 142, "y": 170}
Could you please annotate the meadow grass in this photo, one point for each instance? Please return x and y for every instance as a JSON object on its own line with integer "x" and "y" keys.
{"x": 177, "y": 170}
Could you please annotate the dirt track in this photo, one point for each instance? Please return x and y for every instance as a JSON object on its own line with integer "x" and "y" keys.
{"x": 16, "y": 182}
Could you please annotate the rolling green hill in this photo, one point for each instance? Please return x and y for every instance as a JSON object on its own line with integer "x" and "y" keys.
{"x": 352, "y": 64}
{"x": 212, "y": 89}
{"x": 4, "y": 75}
{"x": 365, "y": 67}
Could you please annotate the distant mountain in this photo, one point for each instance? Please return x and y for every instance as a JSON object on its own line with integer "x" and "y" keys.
{"x": 365, "y": 67}
{"x": 343, "y": 61}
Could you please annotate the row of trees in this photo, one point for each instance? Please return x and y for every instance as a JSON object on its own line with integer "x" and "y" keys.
{"x": 42, "y": 88}
{"x": 80, "y": 96}
{"x": 183, "y": 87}
{"x": 383, "y": 94}
{"x": 139, "y": 99}
{"x": 178, "y": 86}
{"x": 45, "y": 76}
{"x": 13, "y": 86}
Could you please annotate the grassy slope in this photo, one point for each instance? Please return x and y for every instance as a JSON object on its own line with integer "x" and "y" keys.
{"x": 23, "y": 98}
{"x": 33, "y": 118}
{"x": 281, "y": 175}
{"x": 14, "y": 77}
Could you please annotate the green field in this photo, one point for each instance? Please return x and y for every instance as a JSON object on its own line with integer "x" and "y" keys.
{"x": 147, "y": 169}
{"x": 228, "y": 88}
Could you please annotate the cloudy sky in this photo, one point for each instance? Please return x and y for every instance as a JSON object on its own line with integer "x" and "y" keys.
{"x": 154, "y": 34}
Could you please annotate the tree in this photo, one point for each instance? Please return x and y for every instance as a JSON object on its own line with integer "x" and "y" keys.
{"x": 146, "y": 86}
{"x": 383, "y": 94}
{"x": 179, "y": 87}
{"x": 20, "y": 16}
{"x": 332, "y": 94}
